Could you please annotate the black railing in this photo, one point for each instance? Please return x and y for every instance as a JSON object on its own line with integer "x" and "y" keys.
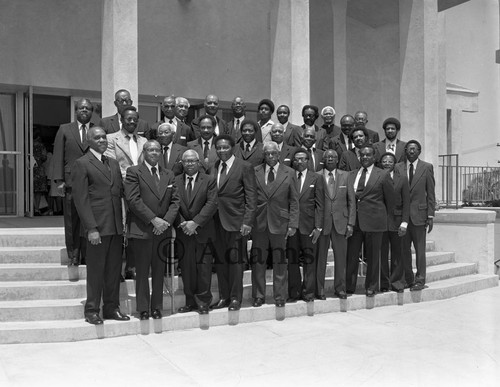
{"x": 467, "y": 185}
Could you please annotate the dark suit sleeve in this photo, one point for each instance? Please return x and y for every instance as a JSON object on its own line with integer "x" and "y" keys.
{"x": 343, "y": 165}
{"x": 431, "y": 193}
{"x": 389, "y": 193}
{"x": 405, "y": 197}
{"x": 175, "y": 200}
{"x": 351, "y": 199}
{"x": 80, "y": 184}
{"x": 293, "y": 197}
{"x": 210, "y": 207}
{"x": 249, "y": 185}
{"x": 58, "y": 157}
{"x": 319, "y": 201}
{"x": 133, "y": 197}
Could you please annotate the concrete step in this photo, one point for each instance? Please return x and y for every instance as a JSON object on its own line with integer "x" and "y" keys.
{"x": 41, "y": 290}
{"x": 41, "y": 272}
{"x": 34, "y": 254}
{"x": 22, "y": 237}
{"x": 77, "y": 330}
{"x": 40, "y": 310}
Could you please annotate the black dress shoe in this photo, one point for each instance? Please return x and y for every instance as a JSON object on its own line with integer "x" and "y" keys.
{"x": 384, "y": 290}
{"x": 144, "y": 316}
{"x": 186, "y": 309}
{"x": 342, "y": 295}
{"x": 308, "y": 299}
{"x": 129, "y": 274}
{"x": 223, "y": 303}
{"x": 258, "y": 302}
{"x": 291, "y": 300}
{"x": 398, "y": 290}
{"x": 417, "y": 287}
{"x": 349, "y": 291}
{"x": 370, "y": 293}
{"x": 280, "y": 303}
{"x": 323, "y": 298}
{"x": 117, "y": 315}
{"x": 73, "y": 262}
{"x": 203, "y": 309}
{"x": 93, "y": 319}
{"x": 235, "y": 305}
{"x": 156, "y": 314}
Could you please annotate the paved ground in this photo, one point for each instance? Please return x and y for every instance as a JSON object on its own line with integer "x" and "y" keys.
{"x": 442, "y": 343}
{"x": 37, "y": 221}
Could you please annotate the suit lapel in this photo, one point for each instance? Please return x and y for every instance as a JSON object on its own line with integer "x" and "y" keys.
{"x": 374, "y": 176}
{"x": 75, "y": 130}
{"x": 100, "y": 166}
{"x": 417, "y": 174}
{"x": 307, "y": 183}
{"x": 163, "y": 183}
{"x": 124, "y": 145}
{"x": 260, "y": 177}
{"x": 196, "y": 188}
{"x": 148, "y": 179}
{"x": 281, "y": 175}
{"x": 114, "y": 123}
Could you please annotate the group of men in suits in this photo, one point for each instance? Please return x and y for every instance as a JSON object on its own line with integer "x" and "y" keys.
{"x": 295, "y": 191}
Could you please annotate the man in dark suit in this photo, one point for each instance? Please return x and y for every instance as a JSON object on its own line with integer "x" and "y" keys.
{"x": 171, "y": 153}
{"x": 361, "y": 119}
{"x": 331, "y": 130}
{"x": 69, "y": 145}
{"x": 340, "y": 217}
{"x": 286, "y": 150}
{"x": 205, "y": 144}
{"x": 277, "y": 219}
{"x": 350, "y": 160}
{"x": 302, "y": 246}
{"x": 397, "y": 223}
{"x": 182, "y": 132}
{"x": 233, "y": 222}
{"x": 391, "y": 143}
{"x": 211, "y": 106}
{"x": 153, "y": 201}
{"x": 309, "y": 143}
{"x": 310, "y": 113}
{"x": 113, "y": 123}
{"x": 198, "y": 205}
{"x": 292, "y": 132}
{"x": 422, "y": 206}
{"x": 234, "y": 126}
{"x": 97, "y": 191}
{"x": 342, "y": 142}
{"x": 249, "y": 149}
{"x": 375, "y": 199}
{"x": 182, "y": 109}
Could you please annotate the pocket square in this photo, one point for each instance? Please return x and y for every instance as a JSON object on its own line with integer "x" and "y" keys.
{"x": 312, "y": 186}
{"x": 170, "y": 186}
{"x": 183, "y": 137}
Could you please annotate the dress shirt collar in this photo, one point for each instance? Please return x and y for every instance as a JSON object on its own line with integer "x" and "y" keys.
{"x": 326, "y": 173}
{"x": 97, "y": 155}
{"x": 250, "y": 143}
{"x": 229, "y": 164}
{"x": 186, "y": 178}
{"x": 151, "y": 166}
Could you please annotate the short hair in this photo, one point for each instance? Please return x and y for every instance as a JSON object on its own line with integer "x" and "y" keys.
{"x": 254, "y": 123}
{"x": 170, "y": 97}
{"x": 150, "y": 142}
{"x": 188, "y": 152}
{"x": 328, "y": 107}
{"x": 413, "y": 142}
{"x": 170, "y": 127}
{"x": 389, "y": 154}
{"x": 330, "y": 150}
{"x": 300, "y": 150}
{"x": 267, "y": 102}
{"x": 269, "y": 144}
{"x": 178, "y": 100}
{"x": 369, "y": 146}
{"x": 121, "y": 91}
{"x": 313, "y": 107}
{"x": 284, "y": 106}
{"x": 211, "y": 118}
{"x": 357, "y": 129}
{"x": 129, "y": 108}
{"x": 347, "y": 116}
{"x": 392, "y": 120}
{"x": 91, "y": 130}
{"x": 80, "y": 101}
{"x": 225, "y": 136}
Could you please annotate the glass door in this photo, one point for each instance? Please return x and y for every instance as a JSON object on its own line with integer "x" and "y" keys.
{"x": 29, "y": 159}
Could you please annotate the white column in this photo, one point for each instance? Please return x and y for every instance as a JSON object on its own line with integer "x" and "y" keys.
{"x": 339, "y": 57}
{"x": 119, "y": 52}
{"x": 290, "y": 81}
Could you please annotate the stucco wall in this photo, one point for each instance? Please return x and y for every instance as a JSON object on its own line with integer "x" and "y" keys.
{"x": 472, "y": 36}
{"x": 53, "y": 43}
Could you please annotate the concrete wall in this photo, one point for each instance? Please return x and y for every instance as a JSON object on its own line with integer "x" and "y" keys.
{"x": 52, "y": 43}
{"x": 472, "y": 36}
{"x": 373, "y": 72}
{"x": 194, "y": 48}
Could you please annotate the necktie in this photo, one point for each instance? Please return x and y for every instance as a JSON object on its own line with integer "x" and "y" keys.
{"x": 247, "y": 149}
{"x": 156, "y": 178}
{"x": 349, "y": 146}
{"x": 205, "y": 150}
{"x": 357, "y": 153}
{"x": 165, "y": 152}
{"x": 270, "y": 176}
{"x": 331, "y": 179}
{"x": 299, "y": 179}
{"x": 105, "y": 161}
{"x": 390, "y": 148}
{"x": 133, "y": 148}
{"x": 189, "y": 188}
{"x": 223, "y": 172}
{"x": 362, "y": 181}
{"x": 237, "y": 127}
{"x": 310, "y": 162}
{"x": 411, "y": 173}
{"x": 170, "y": 122}
{"x": 84, "y": 133}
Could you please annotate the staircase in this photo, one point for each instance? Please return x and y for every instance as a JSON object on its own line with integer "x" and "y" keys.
{"x": 41, "y": 299}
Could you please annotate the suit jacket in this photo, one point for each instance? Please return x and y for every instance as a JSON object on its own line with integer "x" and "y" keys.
{"x": 286, "y": 154}
{"x": 145, "y": 201}
{"x": 349, "y": 161}
{"x": 68, "y": 147}
{"x": 201, "y": 208}
{"x": 197, "y": 146}
{"x": 330, "y": 133}
{"x": 311, "y": 203}
{"x": 422, "y": 191}
{"x": 277, "y": 202}
{"x": 320, "y": 134}
{"x": 340, "y": 209}
{"x": 318, "y": 157}
{"x": 111, "y": 124}
{"x": 174, "y": 161}
{"x": 372, "y": 136}
{"x": 97, "y": 193}
{"x": 119, "y": 149}
{"x": 254, "y": 157}
{"x": 338, "y": 144}
{"x": 375, "y": 202}
{"x": 182, "y": 136}
{"x": 236, "y": 195}
{"x": 380, "y": 149}
{"x": 292, "y": 135}
{"x": 195, "y": 125}
{"x": 401, "y": 211}
{"x": 236, "y": 134}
